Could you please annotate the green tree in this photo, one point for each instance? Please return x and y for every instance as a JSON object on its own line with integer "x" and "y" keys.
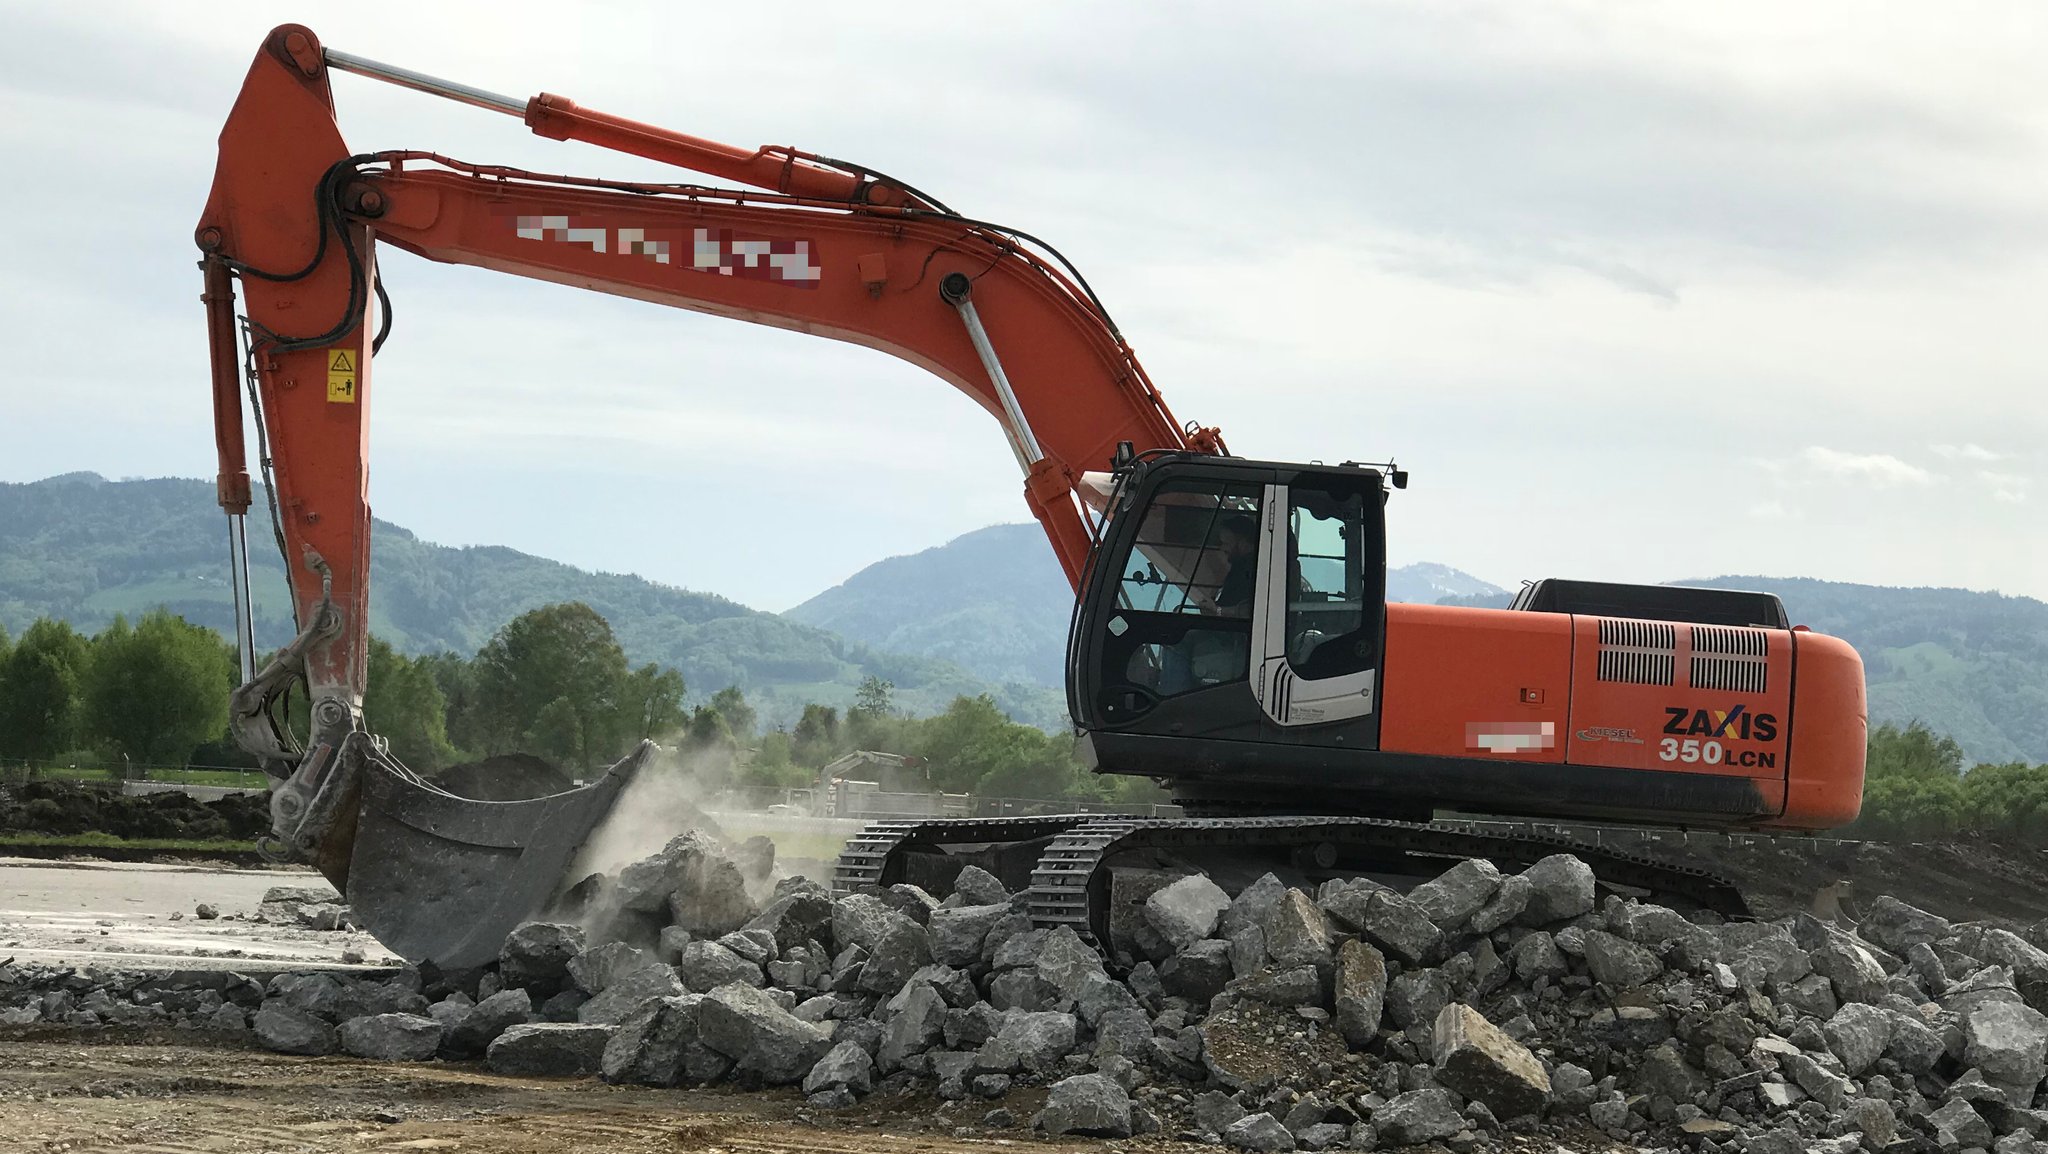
{"x": 159, "y": 690}
{"x": 556, "y": 733}
{"x": 561, "y": 659}
{"x": 468, "y": 723}
{"x": 404, "y": 705}
{"x": 42, "y": 685}
{"x": 815, "y": 740}
{"x": 1915, "y": 751}
{"x": 650, "y": 704}
{"x": 731, "y": 704}
{"x": 874, "y": 698}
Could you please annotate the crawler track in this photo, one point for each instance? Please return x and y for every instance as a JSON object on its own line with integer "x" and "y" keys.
{"x": 1069, "y": 884}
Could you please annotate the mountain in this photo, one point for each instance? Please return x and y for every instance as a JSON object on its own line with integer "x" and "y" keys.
{"x": 1970, "y": 665}
{"x": 83, "y": 548}
{"x": 995, "y": 603}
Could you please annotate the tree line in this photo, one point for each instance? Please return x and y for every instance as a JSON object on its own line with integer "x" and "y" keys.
{"x": 1917, "y": 787}
{"x": 554, "y": 682}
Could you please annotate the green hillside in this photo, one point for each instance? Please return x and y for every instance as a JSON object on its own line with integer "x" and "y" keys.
{"x": 83, "y": 548}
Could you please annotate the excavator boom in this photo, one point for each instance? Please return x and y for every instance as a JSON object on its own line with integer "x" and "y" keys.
{"x": 296, "y": 217}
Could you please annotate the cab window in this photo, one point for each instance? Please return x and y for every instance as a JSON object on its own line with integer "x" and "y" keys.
{"x": 1331, "y": 560}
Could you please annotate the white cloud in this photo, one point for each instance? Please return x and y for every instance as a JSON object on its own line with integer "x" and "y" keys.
{"x": 1877, "y": 468}
{"x": 1969, "y": 451}
{"x": 2008, "y": 487}
{"x": 1771, "y": 511}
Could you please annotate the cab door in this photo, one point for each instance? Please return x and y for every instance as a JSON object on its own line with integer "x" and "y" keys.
{"x": 1163, "y": 644}
{"x": 1318, "y": 629}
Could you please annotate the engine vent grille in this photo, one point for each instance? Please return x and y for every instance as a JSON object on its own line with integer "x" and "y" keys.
{"x": 1638, "y": 652}
{"x": 1737, "y": 660}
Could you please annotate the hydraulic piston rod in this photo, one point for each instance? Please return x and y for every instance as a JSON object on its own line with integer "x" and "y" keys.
{"x": 958, "y": 291}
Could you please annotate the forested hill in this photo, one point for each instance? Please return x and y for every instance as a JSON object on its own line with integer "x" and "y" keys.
{"x": 995, "y": 602}
{"x": 1970, "y": 665}
{"x": 82, "y": 548}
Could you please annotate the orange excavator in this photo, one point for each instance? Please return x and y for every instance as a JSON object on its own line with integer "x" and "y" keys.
{"x": 1231, "y": 636}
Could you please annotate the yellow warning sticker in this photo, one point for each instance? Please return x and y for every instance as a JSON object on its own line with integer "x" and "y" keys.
{"x": 341, "y": 376}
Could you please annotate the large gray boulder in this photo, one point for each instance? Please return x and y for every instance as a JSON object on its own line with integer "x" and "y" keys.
{"x": 1418, "y": 1116}
{"x": 799, "y": 915}
{"x": 917, "y": 1024}
{"x": 594, "y": 969}
{"x": 1853, "y": 972}
{"x": 1537, "y": 956}
{"x": 1386, "y": 919}
{"x": 1199, "y": 972}
{"x": 978, "y": 887}
{"x": 2009, "y": 1042}
{"x": 1957, "y": 1125}
{"x": 627, "y": 996}
{"x": 1031, "y": 1042}
{"x": 1089, "y": 1104}
{"x": 1617, "y": 963}
{"x": 1913, "y": 1044}
{"x": 1296, "y": 934}
{"x": 1763, "y": 954}
{"x": 1858, "y": 1034}
{"x": 1477, "y": 1060}
{"x": 896, "y": 945}
{"x": 710, "y": 895}
{"x": 1459, "y": 893}
{"x": 1507, "y": 903}
{"x": 1215, "y": 1110}
{"x": 1561, "y": 887}
{"x": 660, "y": 1046}
{"x": 956, "y": 935}
{"x": 844, "y": 1067}
{"x": 536, "y": 955}
{"x": 549, "y": 1049}
{"x": 1361, "y": 992}
{"x": 289, "y": 1030}
{"x": 704, "y": 966}
{"x": 391, "y": 1037}
{"x": 486, "y": 1020}
{"x": 1250, "y": 906}
{"x": 762, "y": 1038}
{"x": 1894, "y": 926}
{"x": 1187, "y": 910}
{"x": 1258, "y": 1133}
{"x": 1067, "y": 963}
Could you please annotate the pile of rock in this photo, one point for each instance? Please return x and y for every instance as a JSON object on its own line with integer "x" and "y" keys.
{"x": 1355, "y": 1016}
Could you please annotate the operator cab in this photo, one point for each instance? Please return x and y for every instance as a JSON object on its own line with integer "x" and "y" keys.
{"x": 1233, "y": 600}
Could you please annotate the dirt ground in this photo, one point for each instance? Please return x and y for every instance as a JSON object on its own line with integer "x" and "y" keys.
{"x": 1961, "y": 881}
{"x": 62, "y": 1092}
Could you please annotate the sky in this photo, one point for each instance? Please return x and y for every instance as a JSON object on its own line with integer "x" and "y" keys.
{"x": 1636, "y": 291}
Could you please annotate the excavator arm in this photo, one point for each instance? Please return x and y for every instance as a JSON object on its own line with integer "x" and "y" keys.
{"x": 296, "y": 217}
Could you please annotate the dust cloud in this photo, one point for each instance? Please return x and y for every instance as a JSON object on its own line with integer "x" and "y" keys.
{"x": 664, "y": 800}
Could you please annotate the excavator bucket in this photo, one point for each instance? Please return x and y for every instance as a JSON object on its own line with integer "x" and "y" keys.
{"x": 440, "y": 877}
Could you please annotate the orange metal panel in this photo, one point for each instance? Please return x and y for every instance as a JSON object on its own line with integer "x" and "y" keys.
{"x": 1469, "y": 682}
{"x": 1732, "y": 727}
{"x": 1830, "y": 735}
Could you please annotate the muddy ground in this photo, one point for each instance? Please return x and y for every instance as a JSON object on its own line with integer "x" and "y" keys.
{"x": 63, "y": 1092}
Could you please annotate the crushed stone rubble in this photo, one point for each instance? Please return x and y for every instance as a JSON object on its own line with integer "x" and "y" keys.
{"x": 1472, "y": 1009}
